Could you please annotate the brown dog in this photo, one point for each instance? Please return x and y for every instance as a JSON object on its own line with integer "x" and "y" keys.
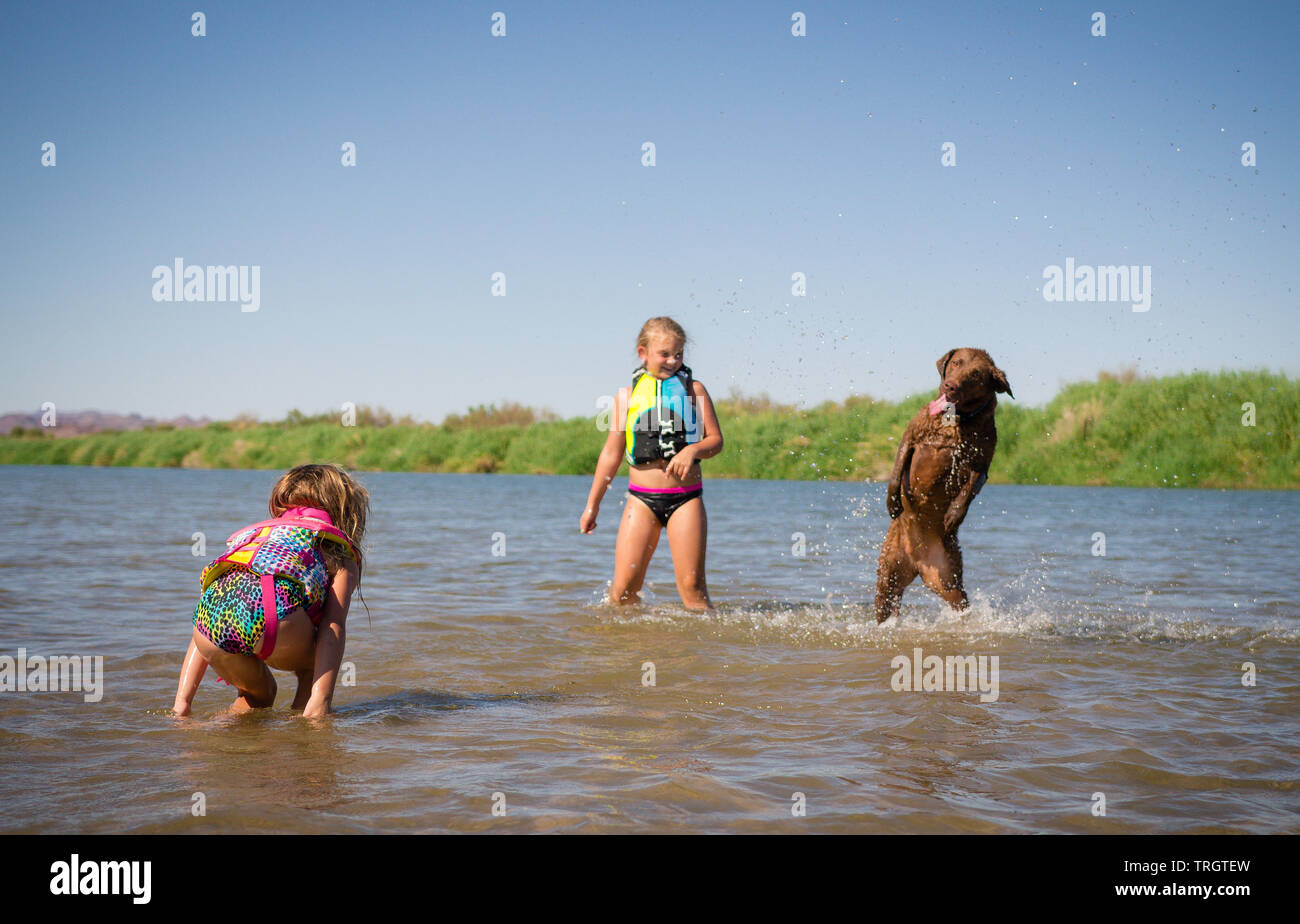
{"x": 943, "y": 461}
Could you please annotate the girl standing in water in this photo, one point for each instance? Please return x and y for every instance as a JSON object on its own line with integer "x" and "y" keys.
{"x": 663, "y": 425}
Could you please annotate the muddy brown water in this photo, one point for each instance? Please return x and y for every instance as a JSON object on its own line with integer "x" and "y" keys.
{"x": 488, "y": 680}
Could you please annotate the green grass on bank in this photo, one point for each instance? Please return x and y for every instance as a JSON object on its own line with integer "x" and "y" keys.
{"x": 1119, "y": 430}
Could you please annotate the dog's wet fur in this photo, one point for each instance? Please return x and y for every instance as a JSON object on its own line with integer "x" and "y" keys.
{"x": 943, "y": 461}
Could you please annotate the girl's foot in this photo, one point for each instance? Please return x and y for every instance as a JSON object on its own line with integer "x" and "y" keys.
{"x": 246, "y": 702}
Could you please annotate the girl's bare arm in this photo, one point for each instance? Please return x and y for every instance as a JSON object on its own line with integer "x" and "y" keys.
{"x": 710, "y": 443}
{"x": 192, "y": 670}
{"x": 611, "y": 457}
{"x": 330, "y": 640}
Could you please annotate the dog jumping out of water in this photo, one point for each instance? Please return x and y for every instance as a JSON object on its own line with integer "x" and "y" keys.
{"x": 943, "y": 461}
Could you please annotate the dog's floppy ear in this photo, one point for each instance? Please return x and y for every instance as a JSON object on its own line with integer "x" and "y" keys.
{"x": 1000, "y": 381}
{"x": 942, "y": 364}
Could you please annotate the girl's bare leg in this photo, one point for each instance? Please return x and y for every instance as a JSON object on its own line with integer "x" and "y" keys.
{"x": 247, "y": 674}
{"x": 295, "y": 650}
{"x": 192, "y": 670}
{"x": 688, "y": 531}
{"x": 638, "y": 535}
{"x": 303, "y": 694}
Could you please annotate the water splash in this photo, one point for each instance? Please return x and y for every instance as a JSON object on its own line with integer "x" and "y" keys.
{"x": 987, "y": 620}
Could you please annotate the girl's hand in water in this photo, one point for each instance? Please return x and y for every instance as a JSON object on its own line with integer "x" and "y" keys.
{"x": 588, "y": 521}
{"x": 331, "y": 637}
{"x": 679, "y": 466}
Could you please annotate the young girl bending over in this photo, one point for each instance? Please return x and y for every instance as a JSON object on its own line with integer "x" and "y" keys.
{"x": 663, "y": 424}
{"x": 279, "y": 596}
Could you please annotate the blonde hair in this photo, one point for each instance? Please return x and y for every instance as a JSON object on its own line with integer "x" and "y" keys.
{"x": 660, "y": 325}
{"x": 327, "y": 487}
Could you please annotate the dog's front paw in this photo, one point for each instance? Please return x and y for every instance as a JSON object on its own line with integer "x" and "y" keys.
{"x": 951, "y": 520}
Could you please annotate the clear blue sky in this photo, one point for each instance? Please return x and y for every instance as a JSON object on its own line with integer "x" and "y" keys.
{"x": 522, "y": 155}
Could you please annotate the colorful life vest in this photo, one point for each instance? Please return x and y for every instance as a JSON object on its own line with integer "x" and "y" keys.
{"x": 284, "y": 547}
{"x": 661, "y": 416}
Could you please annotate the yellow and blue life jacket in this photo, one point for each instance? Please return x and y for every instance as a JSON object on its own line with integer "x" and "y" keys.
{"x": 661, "y": 416}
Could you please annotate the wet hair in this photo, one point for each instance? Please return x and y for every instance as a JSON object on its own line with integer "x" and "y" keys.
{"x": 660, "y": 325}
{"x": 326, "y": 487}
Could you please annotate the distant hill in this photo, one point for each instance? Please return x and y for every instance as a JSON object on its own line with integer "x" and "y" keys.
{"x": 77, "y": 423}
